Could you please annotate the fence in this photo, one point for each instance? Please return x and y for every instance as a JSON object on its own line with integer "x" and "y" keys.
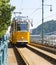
{"x": 50, "y": 40}
{"x": 3, "y": 52}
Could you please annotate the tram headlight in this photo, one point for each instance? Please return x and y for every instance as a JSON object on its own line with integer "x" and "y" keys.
{"x": 22, "y": 38}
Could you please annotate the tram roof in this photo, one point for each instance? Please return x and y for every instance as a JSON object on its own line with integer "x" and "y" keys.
{"x": 20, "y": 18}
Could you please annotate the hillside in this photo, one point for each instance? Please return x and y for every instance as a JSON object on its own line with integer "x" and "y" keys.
{"x": 49, "y": 26}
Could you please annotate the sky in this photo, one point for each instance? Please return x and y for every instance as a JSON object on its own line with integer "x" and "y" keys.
{"x": 33, "y": 9}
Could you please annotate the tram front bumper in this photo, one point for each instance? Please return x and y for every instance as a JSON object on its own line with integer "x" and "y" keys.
{"x": 24, "y": 42}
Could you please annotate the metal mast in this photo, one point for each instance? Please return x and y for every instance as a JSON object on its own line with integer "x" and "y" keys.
{"x": 42, "y": 19}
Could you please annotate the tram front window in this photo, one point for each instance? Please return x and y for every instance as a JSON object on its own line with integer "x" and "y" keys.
{"x": 22, "y": 27}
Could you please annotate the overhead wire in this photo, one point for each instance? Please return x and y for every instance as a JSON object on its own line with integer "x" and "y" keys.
{"x": 47, "y": 17}
{"x": 20, "y": 8}
{"x": 21, "y": 5}
{"x": 35, "y": 11}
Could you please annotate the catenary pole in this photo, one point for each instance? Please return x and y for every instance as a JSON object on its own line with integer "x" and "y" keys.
{"x": 42, "y": 20}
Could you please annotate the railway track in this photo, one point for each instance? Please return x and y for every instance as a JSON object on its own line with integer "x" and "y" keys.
{"x": 46, "y": 55}
{"x": 35, "y": 56}
{"x": 14, "y": 57}
{"x": 46, "y": 48}
{"x": 31, "y": 55}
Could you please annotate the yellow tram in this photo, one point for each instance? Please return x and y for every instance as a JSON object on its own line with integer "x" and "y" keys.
{"x": 20, "y": 30}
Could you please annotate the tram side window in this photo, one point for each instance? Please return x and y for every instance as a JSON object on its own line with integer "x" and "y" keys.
{"x": 11, "y": 28}
{"x": 18, "y": 27}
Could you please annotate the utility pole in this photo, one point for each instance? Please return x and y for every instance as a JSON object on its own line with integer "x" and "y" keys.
{"x": 42, "y": 20}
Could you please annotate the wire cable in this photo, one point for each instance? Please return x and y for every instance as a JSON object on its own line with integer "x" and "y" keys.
{"x": 21, "y": 5}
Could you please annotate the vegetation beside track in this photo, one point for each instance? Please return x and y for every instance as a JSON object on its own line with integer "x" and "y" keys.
{"x": 5, "y": 15}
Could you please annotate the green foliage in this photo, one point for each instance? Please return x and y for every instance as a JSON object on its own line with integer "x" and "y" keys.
{"x": 2, "y": 33}
{"x": 5, "y": 15}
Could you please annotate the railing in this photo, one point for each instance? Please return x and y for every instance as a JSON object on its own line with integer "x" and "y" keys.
{"x": 47, "y": 40}
{"x": 3, "y": 52}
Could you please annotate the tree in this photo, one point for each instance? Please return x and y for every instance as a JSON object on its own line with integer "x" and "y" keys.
{"x": 5, "y": 15}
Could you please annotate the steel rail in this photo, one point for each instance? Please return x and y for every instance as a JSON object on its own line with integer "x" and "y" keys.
{"x": 25, "y": 60}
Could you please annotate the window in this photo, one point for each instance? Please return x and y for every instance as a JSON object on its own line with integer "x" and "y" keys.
{"x": 22, "y": 27}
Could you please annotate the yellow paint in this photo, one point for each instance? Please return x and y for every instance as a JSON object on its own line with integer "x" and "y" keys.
{"x": 19, "y": 35}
